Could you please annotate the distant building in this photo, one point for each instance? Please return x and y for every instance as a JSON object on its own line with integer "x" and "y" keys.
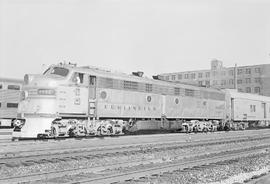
{"x": 250, "y": 79}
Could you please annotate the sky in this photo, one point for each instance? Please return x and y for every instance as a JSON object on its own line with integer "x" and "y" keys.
{"x": 154, "y": 36}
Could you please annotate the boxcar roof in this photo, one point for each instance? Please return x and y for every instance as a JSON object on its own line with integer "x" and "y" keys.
{"x": 2, "y": 79}
{"x": 250, "y": 96}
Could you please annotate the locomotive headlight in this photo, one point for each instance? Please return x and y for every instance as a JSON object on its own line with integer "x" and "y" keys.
{"x": 28, "y": 78}
{"x": 46, "y": 92}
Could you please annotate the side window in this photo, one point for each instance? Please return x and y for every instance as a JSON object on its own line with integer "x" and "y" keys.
{"x": 81, "y": 77}
{"x": 14, "y": 87}
{"x": 78, "y": 78}
{"x": 92, "y": 81}
{"x": 12, "y": 105}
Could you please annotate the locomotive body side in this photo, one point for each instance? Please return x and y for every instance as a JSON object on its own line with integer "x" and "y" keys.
{"x": 175, "y": 101}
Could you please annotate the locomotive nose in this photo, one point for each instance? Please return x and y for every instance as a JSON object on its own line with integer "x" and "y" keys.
{"x": 39, "y": 80}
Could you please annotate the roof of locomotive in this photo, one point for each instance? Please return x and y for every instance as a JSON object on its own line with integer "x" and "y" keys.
{"x": 124, "y": 76}
{"x": 235, "y": 94}
{"x": 10, "y": 80}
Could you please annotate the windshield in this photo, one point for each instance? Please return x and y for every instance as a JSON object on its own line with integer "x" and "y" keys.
{"x": 46, "y": 71}
{"x": 57, "y": 71}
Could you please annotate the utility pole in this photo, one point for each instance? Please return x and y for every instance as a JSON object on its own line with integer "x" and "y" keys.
{"x": 235, "y": 76}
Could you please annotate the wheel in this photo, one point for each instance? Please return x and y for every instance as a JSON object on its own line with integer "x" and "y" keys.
{"x": 55, "y": 131}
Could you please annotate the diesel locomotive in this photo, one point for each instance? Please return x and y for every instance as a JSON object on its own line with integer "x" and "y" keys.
{"x": 68, "y": 100}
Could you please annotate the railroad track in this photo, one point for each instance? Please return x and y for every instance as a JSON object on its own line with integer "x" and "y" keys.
{"x": 42, "y": 156}
{"x": 8, "y": 142}
{"x": 195, "y": 162}
{"x": 20, "y": 148}
{"x": 135, "y": 169}
{"x": 28, "y": 157}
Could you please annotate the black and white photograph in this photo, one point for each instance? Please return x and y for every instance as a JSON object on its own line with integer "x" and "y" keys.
{"x": 134, "y": 92}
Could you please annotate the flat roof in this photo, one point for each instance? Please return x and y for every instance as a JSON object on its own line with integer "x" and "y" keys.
{"x": 209, "y": 70}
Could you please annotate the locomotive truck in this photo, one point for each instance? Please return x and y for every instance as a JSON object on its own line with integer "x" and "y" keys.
{"x": 68, "y": 100}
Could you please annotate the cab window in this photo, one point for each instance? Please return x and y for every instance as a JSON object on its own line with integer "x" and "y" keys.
{"x": 78, "y": 78}
{"x": 59, "y": 71}
{"x": 46, "y": 71}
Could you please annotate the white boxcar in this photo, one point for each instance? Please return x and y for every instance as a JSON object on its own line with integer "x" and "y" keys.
{"x": 249, "y": 107}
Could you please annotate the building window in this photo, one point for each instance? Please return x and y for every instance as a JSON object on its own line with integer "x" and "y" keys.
{"x": 239, "y": 71}
{"x": 200, "y": 75}
{"x": 215, "y": 82}
{"x": 186, "y": 76}
{"x": 167, "y": 78}
{"x": 231, "y": 81}
{"x": 248, "y": 89}
{"x": 12, "y": 105}
{"x": 239, "y": 81}
{"x": 200, "y": 83}
{"x": 257, "y": 89}
{"x": 1, "y": 86}
{"x": 257, "y": 80}
{"x": 14, "y": 87}
{"x": 193, "y": 75}
{"x": 207, "y": 83}
{"x": 223, "y": 82}
{"x": 223, "y": 73}
{"x": 257, "y": 70}
{"x": 207, "y": 74}
{"x": 179, "y": 76}
{"x": 173, "y": 77}
{"x": 231, "y": 72}
{"x": 248, "y": 71}
{"x": 248, "y": 80}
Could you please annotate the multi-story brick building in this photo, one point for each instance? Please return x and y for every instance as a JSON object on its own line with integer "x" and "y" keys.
{"x": 250, "y": 79}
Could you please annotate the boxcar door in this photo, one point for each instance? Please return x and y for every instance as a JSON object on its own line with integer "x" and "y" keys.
{"x": 92, "y": 96}
{"x": 163, "y": 105}
{"x": 264, "y": 110}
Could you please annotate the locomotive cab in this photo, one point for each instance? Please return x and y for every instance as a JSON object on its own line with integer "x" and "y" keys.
{"x": 61, "y": 92}
{"x": 38, "y": 105}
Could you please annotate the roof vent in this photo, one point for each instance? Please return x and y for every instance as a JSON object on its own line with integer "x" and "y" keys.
{"x": 138, "y": 74}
